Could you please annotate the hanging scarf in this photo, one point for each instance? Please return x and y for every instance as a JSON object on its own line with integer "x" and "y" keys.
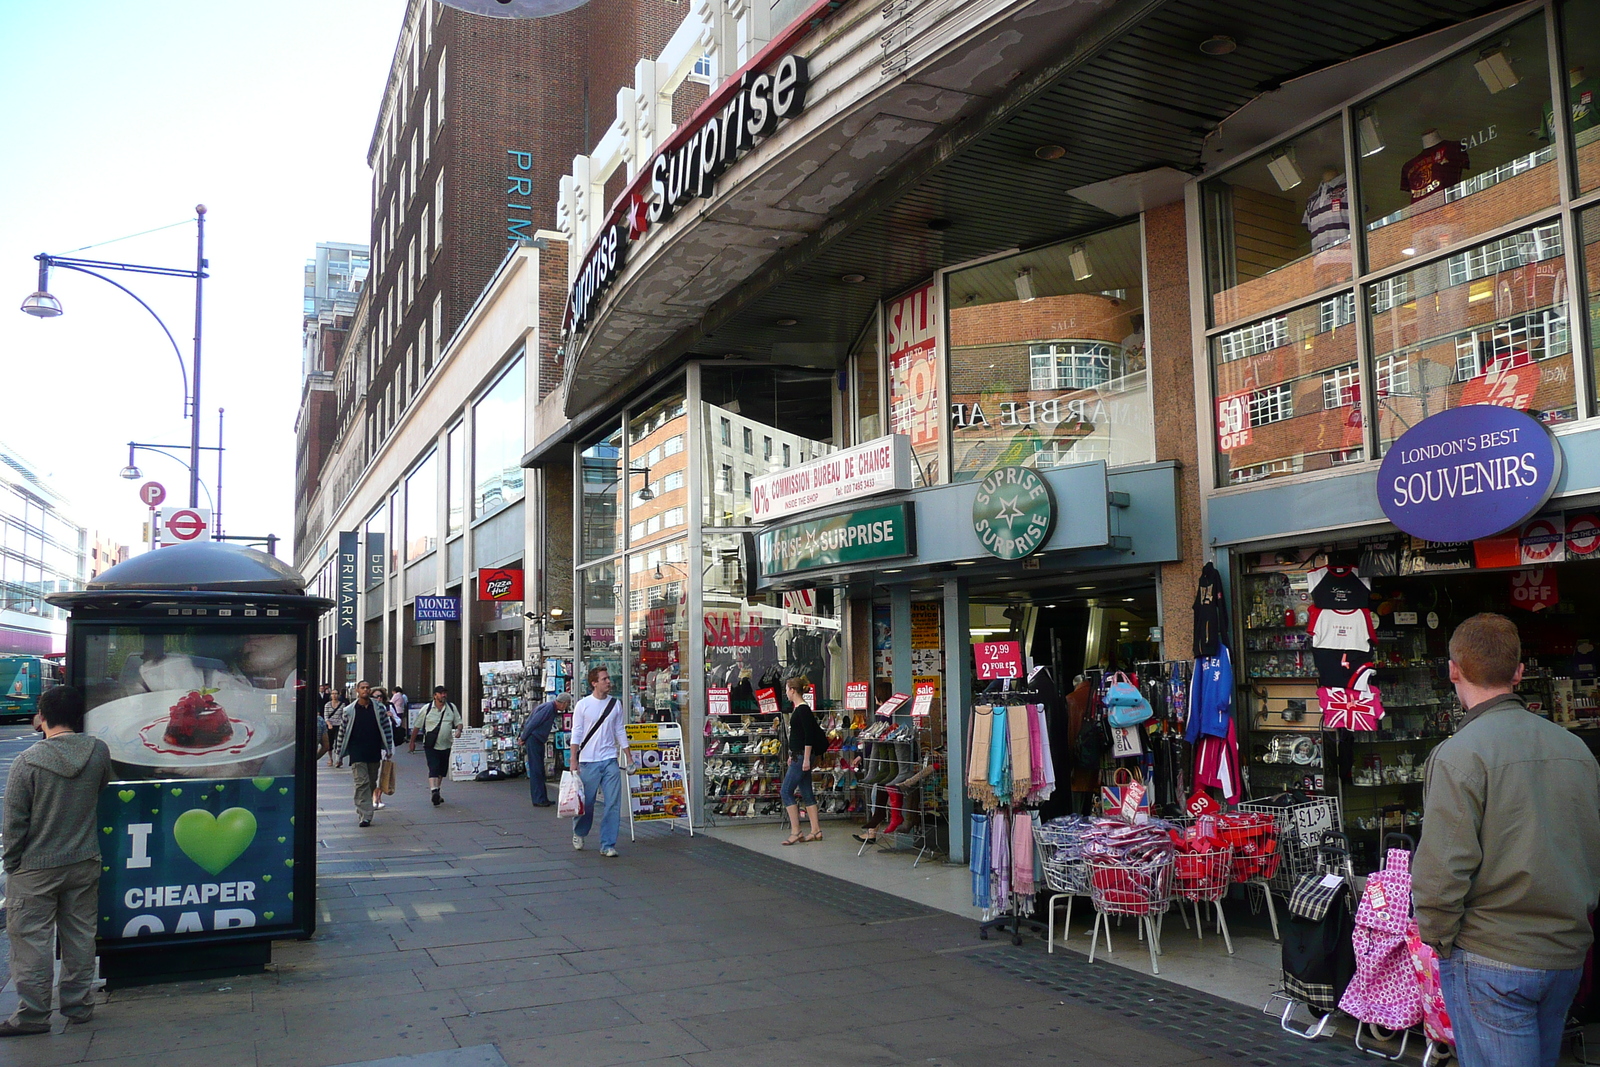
{"x": 1021, "y": 752}
{"x": 1049, "y": 774}
{"x": 1000, "y": 859}
{"x": 1022, "y": 857}
{"x": 999, "y": 760}
{"x": 1035, "y": 751}
{"x": 978, "y": 863}
{"x": 978, "y": 787}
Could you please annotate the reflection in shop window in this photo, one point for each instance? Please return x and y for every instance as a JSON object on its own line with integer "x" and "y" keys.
{"x": 1047, "y": 358}
{"x": 791, "y": 405}
{"x": 1589, "y": 225}
{"x": 497, "y": 446}
{"x": 1459, "y": 149}
{"x": 1340, "y": 387}
{"x": 1338, "y": 311}
{"x": 600, "y": 465}
{"x": 600, "y": 593}
{"x": 1271, "y": 405}
{"x": 656, "y": 432}
{"x": 1581, "y": 27}
{"x": 1484, "y": 326}
{"x": 1255, "y": 339}
{"x": 1393, "y": 376}
{"x": 422, "y": 503}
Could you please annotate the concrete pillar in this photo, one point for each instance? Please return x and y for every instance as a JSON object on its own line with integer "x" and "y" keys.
{"x": 957, "y": 698}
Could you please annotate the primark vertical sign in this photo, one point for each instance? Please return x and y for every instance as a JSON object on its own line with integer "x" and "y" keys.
{"x": 349, "y": 569}
{"x": 688, "y": 170}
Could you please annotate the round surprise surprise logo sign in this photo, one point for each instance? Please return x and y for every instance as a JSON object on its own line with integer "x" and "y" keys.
{"x": 1013, "y": 513}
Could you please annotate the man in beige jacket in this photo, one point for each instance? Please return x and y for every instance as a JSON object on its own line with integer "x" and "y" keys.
{"x": 1509, "y": 866}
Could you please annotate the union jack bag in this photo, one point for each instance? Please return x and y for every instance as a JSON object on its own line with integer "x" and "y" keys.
{"x": 1356, "y": 708}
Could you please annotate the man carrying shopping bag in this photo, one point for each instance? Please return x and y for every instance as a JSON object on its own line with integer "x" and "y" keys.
{"x": 599, "y": 746}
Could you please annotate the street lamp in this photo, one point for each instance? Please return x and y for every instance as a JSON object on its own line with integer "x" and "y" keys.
{"x": 42, "y": 304}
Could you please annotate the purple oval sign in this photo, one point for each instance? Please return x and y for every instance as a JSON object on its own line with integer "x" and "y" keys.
{"x": 1469, "y": 472}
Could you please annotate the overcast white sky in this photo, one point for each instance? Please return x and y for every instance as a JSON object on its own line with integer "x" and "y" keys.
{"x": 121, "y": 117}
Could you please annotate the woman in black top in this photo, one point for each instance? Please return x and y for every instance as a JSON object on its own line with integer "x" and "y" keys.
{"x": 805, "y": 752}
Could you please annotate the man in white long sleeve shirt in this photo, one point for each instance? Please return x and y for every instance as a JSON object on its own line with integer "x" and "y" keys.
{"x": 599, "y": 743}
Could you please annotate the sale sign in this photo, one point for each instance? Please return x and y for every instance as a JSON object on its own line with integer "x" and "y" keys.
{"x": 911, "y": 324}
{"x": 922, "y": 700}
{"x": 997, "y": 659}
{"x": 717, "y": 700}
{"x": 1535, "y": 589}
{"x": 855, "y": 696}
{"x": 767, "y": 701}
{"x": 1233, "y": 421}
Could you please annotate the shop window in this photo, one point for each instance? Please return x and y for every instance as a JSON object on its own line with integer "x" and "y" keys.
{"x": 422, "y": 509}
{"x": 1287, "y": 396}
{"x": 456, "y": 476}
{"x": 792, "y": 405}
{"x": 1458, "y": 150}
{"x": 1047, "y": 358}
{"x": 601, "y": 597}
{"x": 600, "y": 465}
{"x": 373, "y": 567}
{"x": 1589, "y": 225}
{"x": 658, "y": 628}
{"x": 864, "y": 368}
{"x": 1485, "y": 326}
{"x": 656, "y": 431}
{"x": 497, "y": 444}
{"x": 1278, "y": 226}
{"x": 916, "y": 408}
{"x": 1581, "y": 28}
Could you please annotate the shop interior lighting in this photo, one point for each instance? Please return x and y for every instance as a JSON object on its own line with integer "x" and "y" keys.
{"x": 556, "y": 613}
{"x": 1495, "y": 70}
{"x": 1078, "y": 259}
{"x": 1050, "y": 151}
{"x": 786, "y": 322}
{"x": 1284, "y": 172}
{"x": 852, "y": 279}
{"x": 1219, "y": 44}
{"x": 1025, "y": 291}
{"x": 1369, "y": 135}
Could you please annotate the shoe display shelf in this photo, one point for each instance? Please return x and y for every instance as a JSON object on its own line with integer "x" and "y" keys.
{"x": 894, "y": 773}
{"x": 745, "y": 758}
{"x": 504, "y": 708}
{"x": 834, "y": 777}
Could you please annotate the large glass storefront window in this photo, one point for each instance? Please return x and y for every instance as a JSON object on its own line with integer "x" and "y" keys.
{"x": 1288, "y": 391}
{"x": 658, "y": 629}
{"x": 1485, "y": 326}
{"x": 601, "y": 591}
{"x": 1458, "y": 150}
{"x": 456, "y": 476}
{"x": 497, "y": 447}
{"x": 1047, "y": 358}
{"x": 1589, "y": 223}
{"x": 422, "y": 509}
{"x": 658, "y": 469}
{"x": 600, "y": 466}
{"x": 757, "y": 420}
{"x": 911, "y": 338}
{"x": 1581, "y": 27}
{"x": 1279, "y": 226}
{"x": 864, "y": 366}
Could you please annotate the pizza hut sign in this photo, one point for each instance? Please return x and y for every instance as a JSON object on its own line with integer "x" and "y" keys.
{"x": 500, "y": 584}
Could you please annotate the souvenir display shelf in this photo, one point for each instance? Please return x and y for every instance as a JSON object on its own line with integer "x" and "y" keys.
{"x": 504, "y": 708}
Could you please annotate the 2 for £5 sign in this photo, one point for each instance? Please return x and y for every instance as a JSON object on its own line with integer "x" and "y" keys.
{"x": 196, "y": 856}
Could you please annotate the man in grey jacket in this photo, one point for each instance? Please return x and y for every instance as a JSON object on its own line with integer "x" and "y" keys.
{"x": 1509, "y": 866}
{"x": 52, "y": 862}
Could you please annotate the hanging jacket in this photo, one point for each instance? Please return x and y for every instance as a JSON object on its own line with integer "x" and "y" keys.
{"x": 1210, "y": 697}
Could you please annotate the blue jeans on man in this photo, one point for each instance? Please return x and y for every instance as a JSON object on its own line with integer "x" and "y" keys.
{"x": 1505, "y": 1016}
{"x": 536, "y": 785}
{"x": 601, "y": 775}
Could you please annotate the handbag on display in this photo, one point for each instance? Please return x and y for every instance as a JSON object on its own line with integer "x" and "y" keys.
{"x": 1356, "y": 708}
{"x": 569, "y": 798}
{"x": 1111, "y": 796}
{"x": 1125, "y": 705}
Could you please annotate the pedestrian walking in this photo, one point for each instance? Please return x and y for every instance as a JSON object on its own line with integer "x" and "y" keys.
{"x": 381, "y": 698}
{"x": 1509, "y": 865}
{"x": 52, "y": 863}
{"x": 535, "y": 733}
{"x": 438, "y": 727}
{"x": 805, "y": 752}
{"x": 333, "y": 720}
{"x": 366, "y": 740}
{"x": 598, "y": 721}
{"x": 402, "y": 710}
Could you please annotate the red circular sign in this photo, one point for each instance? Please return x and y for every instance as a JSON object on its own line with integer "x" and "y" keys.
{"x": 186, "y": 525}
{"x": 1583, "y": 534}
{"x": 152, "y": 493}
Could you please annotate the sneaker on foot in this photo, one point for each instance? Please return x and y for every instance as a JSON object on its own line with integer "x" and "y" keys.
{"x": 577, "y": 843}
{"x": 364, "y": 822}
{"x": 437, "y": 799}
{"x": 609, "y": 853}
{"x": 12, "y": 1028}
{"x": 379, "y": 804}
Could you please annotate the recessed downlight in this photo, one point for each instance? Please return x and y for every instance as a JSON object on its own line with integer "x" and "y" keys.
{"x": 852, "y": 279}
{"x": 1219, "y": 44}
{"x": 786, "y": 322}
{"x": 1050, "y": 151}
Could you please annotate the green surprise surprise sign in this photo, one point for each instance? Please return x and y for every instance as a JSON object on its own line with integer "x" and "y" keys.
{"x": 863, "y": 536}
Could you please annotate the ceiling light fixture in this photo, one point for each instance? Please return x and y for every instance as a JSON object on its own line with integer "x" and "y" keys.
{"x": 786, "y": 322}
{"x": 1219, "y": 44}
{"x": 852, "y": 279}
{"x": 1078, "y": 259}
{"x": 1283, "y": 170}
{"x": 1050, "y": 151}
{"x": 1495, "y": 70}
{"x": 1025, "y": 291}
{"x": 938, "y": 224}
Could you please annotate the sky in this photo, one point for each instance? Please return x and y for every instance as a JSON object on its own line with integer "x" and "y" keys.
{"x": 121, "y": 118}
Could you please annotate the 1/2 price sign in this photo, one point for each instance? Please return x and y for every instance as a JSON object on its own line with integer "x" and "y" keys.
{"x": 997, "y": 659}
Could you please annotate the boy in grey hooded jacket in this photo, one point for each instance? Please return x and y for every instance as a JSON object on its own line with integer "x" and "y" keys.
{"x": 52, "y": 863}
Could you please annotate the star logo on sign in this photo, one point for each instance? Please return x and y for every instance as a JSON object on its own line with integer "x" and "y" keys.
{"x": 1009, "y": 513}
{"x": 638, "y": 217}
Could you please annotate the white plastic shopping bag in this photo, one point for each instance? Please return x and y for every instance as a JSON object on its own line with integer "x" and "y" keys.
{"x": 569, "y": 801}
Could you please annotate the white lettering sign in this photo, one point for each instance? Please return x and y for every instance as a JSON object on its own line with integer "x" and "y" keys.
{"x": 879, "y": 466}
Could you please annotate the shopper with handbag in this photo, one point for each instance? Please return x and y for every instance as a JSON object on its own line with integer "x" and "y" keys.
{"x": 366, "y": 741}
{"x": 599, "y": 751}
{"x": 1508, "y": 869}
{"x": 439, "y": 726}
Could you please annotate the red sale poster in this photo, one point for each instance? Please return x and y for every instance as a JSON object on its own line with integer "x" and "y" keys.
{"x": 997, "y": 659}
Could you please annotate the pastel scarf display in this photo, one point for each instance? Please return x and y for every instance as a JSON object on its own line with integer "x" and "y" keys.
{"x": 1022, "y": 859}
{"x": 978, "y": 759}
{"x": 978, "y": 862}
{"x": 999, "y": 760}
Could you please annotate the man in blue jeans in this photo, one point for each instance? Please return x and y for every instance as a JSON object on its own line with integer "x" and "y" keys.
{"x": 1509, "y": 865}
{"x": 535, "y": 733}
{"x": 599, "y": 745}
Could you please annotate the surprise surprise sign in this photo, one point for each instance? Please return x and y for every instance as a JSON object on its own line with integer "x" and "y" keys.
{"x": 196, "y": 855}
{"x": 1468, "y": 473}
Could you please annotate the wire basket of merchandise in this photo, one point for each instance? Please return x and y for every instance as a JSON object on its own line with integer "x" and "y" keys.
{"x": 1130, "y": 867}
{"x": 1300, "y": 822}
{"x": 1060, "y": 846}
{"x": 1254, "y": 839}
{"x": 1203, "y": 866}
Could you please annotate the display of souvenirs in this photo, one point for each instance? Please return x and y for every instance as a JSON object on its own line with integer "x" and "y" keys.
{"x": 504, "y": 707}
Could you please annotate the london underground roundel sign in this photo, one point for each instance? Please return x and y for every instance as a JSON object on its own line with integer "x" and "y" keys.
{"x": 1469, "y": 472}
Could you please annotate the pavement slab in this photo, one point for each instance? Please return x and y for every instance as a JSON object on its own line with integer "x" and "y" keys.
{"x": 473, "y": 935}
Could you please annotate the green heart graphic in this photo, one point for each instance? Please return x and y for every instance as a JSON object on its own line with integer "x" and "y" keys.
{"x": 105, "y": 829}
{"x": 281, "y": 840}
{"x": 107, "y": 918}
{"x": 214, "y": 841}
{"x": 126, "y": 795}
{"x": 288, "y": 863}
{"x": 262, "y": 784}
{"x": 267, "y": 915}
{"x": 291, "y": 896}
{"x": 155, "y": 811}
{"x": 266, "y": 877}
{"x": 291, "y": 820}
{"x": 177, "y": 792}
{"x": 283, "y": 789}
{"x": 105, "y": 868}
